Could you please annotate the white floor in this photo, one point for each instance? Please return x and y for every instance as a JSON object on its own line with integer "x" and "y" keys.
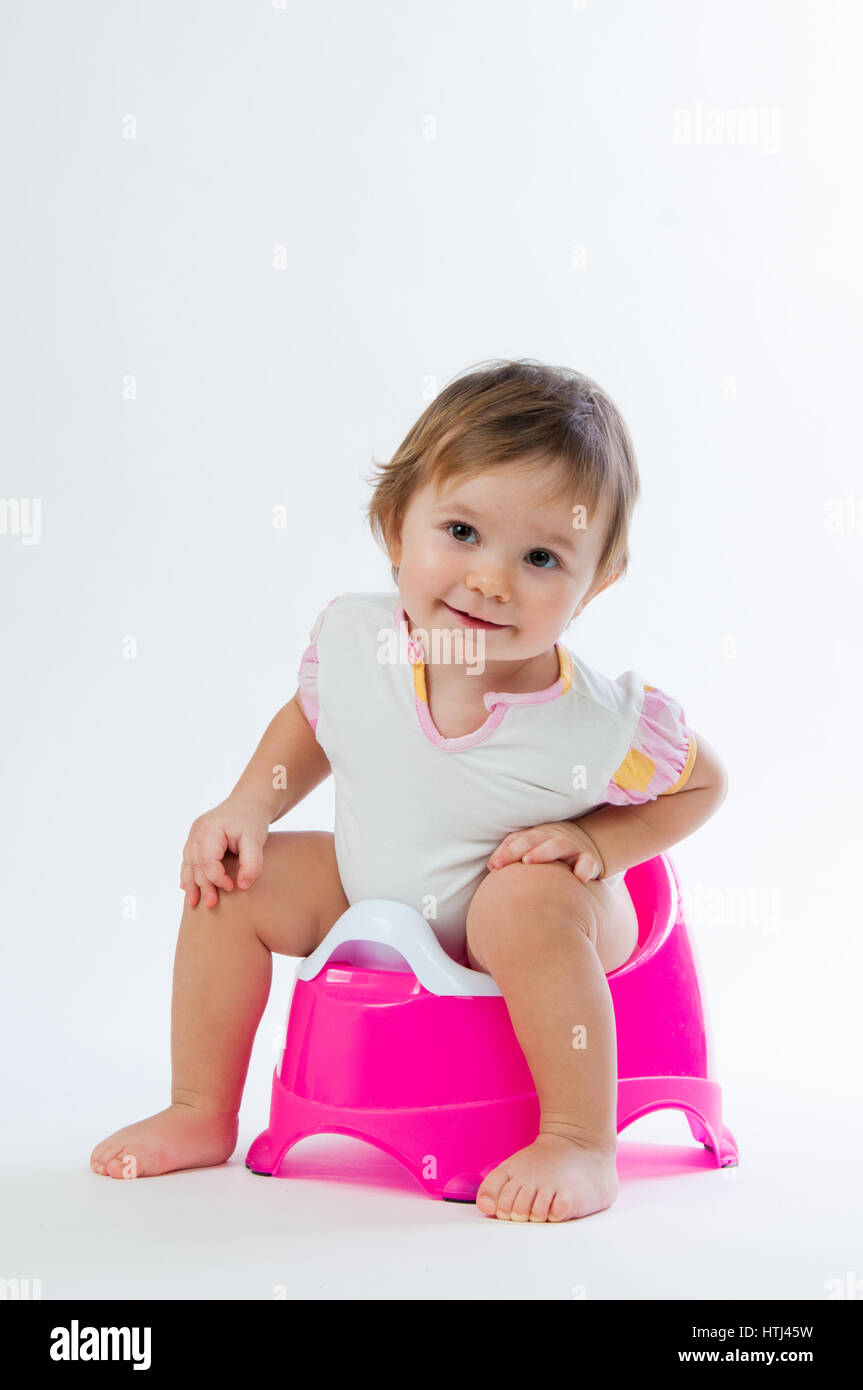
{"x": 87, "y": 1050}
{"x": 344, "y": 1221}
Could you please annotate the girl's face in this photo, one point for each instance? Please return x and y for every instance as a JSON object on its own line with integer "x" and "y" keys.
{"x": 494, "y": 547}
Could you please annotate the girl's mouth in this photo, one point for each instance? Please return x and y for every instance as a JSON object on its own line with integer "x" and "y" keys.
{"x": 474, "y": 622}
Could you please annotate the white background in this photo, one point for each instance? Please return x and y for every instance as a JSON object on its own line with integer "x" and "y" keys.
{"x": 325, "y": 213}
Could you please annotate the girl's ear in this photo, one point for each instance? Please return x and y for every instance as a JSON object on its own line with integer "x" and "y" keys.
{"x": 592, "y": 593}
{"x": 612, "y": 579}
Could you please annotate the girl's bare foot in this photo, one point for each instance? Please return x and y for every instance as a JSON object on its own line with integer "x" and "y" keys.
{"x": 179, "y": 1137}
{"x": 552, "y": 1179}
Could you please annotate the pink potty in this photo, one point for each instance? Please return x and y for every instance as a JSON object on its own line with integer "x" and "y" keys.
{"x": 391, "y": 1041}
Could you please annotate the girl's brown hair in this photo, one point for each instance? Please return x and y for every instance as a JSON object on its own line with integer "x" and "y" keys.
{"x": 507, "y": 410}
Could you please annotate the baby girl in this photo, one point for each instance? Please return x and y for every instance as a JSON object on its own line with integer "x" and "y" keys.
{"x": 485, "y": 774}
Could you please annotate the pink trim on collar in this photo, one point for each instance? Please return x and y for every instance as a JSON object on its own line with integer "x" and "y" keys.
{"x": 496, "y": 701}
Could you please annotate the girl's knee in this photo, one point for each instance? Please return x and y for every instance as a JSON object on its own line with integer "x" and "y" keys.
{"x": 518, "y": 886}
{"x": 526, "y": 899}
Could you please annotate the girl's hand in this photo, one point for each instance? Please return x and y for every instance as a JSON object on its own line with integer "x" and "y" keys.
{"x": 240, "y": 827}
{"x": 543, "y": 844}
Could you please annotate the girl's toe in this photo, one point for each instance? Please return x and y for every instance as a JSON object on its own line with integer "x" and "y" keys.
{"x": 508, "y": 1194}
{"x": 521, "y": 1207}
{"x": 488, "y": 1196}
{"x": 559, "y": 1209}
{"x": 541, "y": 1204}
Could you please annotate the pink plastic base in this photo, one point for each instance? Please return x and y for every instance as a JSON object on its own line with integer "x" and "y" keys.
{"x": 440, "y": 1082}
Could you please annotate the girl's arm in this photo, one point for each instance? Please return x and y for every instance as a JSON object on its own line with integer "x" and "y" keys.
{"x": 628, "y": 835}
{"x": 287, "y": 764}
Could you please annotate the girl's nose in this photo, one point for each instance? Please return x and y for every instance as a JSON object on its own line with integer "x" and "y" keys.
{"x": 491, "y": 583}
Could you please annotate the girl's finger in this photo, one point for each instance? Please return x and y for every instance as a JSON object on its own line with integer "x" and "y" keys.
{"x": 188, "y": 884}
{"x": 509, "y": 850}
{"x": 498, "y": 855}
{"x": 215, "y": 871}
{"x": 251, "y": 860}
{"x": 546, "y": 850}
{"x": 209, "y": 894}
{"x": 585, "y": 867}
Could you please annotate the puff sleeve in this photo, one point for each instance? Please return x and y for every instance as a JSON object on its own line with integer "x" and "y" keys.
{"x": 661, "y": 755}
{"x": 307, "y": 675}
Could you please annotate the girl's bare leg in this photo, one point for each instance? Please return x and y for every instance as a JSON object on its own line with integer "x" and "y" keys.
{"x": 549, "y": 940}
{"x": 222, "y": 975}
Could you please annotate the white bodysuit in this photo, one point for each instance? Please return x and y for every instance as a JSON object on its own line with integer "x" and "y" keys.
{"x": 417, "y": 815}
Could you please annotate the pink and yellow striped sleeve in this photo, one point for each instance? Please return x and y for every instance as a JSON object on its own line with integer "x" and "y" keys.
{"x": 307, "y": 675}
{"x": 661, "y": 756}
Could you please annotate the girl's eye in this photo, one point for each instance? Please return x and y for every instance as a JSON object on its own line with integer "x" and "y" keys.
{"x": 543, "y": 552}
{"x": 464, "y": 526}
